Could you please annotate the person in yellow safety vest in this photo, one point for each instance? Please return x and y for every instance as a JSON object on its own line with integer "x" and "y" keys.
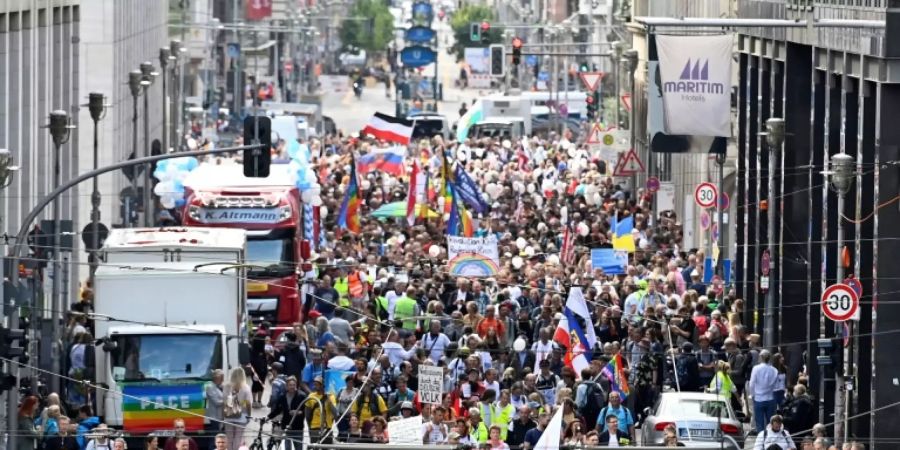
{"x": 486, "y": 407}
{"x": 503, "y": 413}
{"x": 341, "y": 285}
{"x": 478, "y": 431}
{"x": 407, "y": 308}
{"x": 721, "y": 384}
{"x": 317, "y": 400}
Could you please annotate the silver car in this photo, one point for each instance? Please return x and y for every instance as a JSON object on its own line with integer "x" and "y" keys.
{"x": 695, "y": 417}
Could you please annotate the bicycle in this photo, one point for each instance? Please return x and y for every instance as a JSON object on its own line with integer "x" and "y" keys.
{"x": 273, "y": 443}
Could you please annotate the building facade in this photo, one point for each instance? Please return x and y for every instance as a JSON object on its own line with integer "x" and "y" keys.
{"x": 836, "y": 87}
{"x": 52, "y": 54}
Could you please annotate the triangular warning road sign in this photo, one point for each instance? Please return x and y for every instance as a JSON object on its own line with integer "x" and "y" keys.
{"x": 629, "y": 164}
{"x": 626, "y": 102}
{"x": 591, "y": 80}
{"x": 594, "y": 136}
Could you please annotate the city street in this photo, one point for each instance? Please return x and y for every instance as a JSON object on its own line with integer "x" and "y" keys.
{"x": 351, "y": 113}
{"x": 706, "y": 259}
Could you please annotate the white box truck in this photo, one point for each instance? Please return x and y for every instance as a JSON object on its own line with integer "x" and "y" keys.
{"x": 171, "y": 308}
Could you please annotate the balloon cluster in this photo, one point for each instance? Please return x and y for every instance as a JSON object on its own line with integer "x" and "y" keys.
{"x": 302, "y": 175}
{"x": 171, "y": 174}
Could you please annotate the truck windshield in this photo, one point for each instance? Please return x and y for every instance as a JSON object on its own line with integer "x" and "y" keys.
{"x": 427, "y": 128}
{"x": 274, "y": 257}
{"x": 497, "y": 131}
{"x": 159, "y": 357}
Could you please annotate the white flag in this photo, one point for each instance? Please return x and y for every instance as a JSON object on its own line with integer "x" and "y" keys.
{"x": 550, "y": 438}
{"x": 696, "y": 82}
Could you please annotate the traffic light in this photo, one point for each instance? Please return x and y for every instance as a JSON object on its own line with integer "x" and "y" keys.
{"x": 498, "y": 57}
{"x": 583, "y": 67}
{"x": 475, "y": 32}
{"x": 485, "y": 32}
{"x": 8, "y": 339}
{"x": 831, "y": 354}
{"x": 257, "y": 130}
{"x": 590, "y": 105}
{"x": 517, "y": 50}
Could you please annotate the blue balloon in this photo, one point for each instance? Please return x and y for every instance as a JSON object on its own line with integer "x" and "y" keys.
{"x": 580, "y": 189}
{"x": 179, "y": 202}
{"x": 178, "y": 186}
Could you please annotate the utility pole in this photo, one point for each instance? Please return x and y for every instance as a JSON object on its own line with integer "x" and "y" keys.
{"x": 12, "y": 396}
{"x": 175, "y": 50}
{"x": 842, "y": 173}
{"x": 774, "y": 135}
{"x": 135, "y": 84}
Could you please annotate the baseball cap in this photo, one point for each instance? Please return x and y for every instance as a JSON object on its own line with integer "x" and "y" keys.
{"x": 406, "y": 405}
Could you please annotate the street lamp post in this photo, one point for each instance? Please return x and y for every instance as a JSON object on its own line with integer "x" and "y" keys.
{"x": 149, "y": 75}
{"x": 165, "y": 56}
{"x": 97, "y": 107}
{"x": 175, "y": 49}
{"x": 60, "y": 130}
{"x": 774, "y": 135}
{"x": 135, "y": 79}
{"x": 841, "y": 175}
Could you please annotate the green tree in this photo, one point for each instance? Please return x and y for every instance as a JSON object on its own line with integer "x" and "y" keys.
{"x": 461, "y": 23}
{"x": 370, "y": 26}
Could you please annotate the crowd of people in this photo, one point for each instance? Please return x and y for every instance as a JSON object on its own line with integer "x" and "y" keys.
{"x": 382, "y": 304}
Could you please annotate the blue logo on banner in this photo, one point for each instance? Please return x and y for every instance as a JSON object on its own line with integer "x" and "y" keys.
{"x": 233, "y": 50}
{"x": 417, "y": 56}
{"x": 707, "y": 270}
{"x": 543, "y": 76}
{"x": 726, "y": 270}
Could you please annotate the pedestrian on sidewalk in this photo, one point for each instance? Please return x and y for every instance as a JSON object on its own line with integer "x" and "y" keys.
{"x": 762, "y": 386}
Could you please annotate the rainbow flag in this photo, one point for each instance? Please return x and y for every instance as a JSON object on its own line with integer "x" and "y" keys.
{"x": 615, "y": 373}
{"x": 169, "y": 402}
{"x": 460, "y": 222}
{"x": 349, "y": 214}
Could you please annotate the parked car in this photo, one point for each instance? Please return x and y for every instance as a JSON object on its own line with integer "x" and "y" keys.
{"x": 700, "y": 419}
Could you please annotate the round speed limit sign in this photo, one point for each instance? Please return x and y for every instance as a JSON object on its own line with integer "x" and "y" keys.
{"x": 705, "y": 195}
{"x": 840, "y": 302}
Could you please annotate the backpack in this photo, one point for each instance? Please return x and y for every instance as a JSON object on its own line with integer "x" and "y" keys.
{"x": 702, "y": 323}
{"x": 593, "y": 398}
{"x": 684, "y": 373}
{"x": 232, "y": 405}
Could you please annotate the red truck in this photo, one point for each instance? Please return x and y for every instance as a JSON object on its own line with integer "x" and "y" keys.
{"x": 219, "y": 195}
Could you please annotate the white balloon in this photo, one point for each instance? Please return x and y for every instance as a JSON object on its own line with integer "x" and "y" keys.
{"x": 316, "y": 200}
{"x": 519, "y": 345}
{"x": 434, "y": 251}
{"x": 365, "y": 185}
{"x": 521, "y": 243}
{"x": 311, "y": 177}
{"x": 583, "y": 229}
{"x": 553, "y": 260}
{"x": 518, "y": 187}
{"x": 306, "y": 196}
{"x": 323, "y": 212}
{"x": 529, "y": 251}
{"x": 167, "y": 202}
{"x": 561, "y": 186}
{"x": 517, "y": 262}
{"x": 564, "y": 214}
{"x": 530, "y": 188}
{"x": 538, "y": 200}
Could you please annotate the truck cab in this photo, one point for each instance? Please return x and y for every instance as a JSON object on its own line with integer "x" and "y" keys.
{"x": 269, "y": 210}
{"x": 174, "y": 304}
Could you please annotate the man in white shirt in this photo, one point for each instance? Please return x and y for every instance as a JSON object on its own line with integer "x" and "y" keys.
{"x": 761, "y": 387}
{"x": 435, "y": 342}
{"x": 774, "y": 434}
